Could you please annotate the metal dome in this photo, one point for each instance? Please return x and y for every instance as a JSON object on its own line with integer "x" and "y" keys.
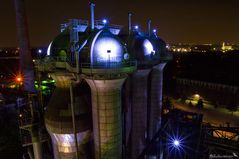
{"x": 140, "y": 46}
{"x": 60, "y": 44}
{"x": 103, "y": 47}
{"x": 161, "y": 53}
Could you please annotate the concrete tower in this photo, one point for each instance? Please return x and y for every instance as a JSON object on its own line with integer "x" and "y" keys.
{"x": 106, "y": 72}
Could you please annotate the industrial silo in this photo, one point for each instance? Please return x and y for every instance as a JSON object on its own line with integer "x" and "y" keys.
{"x": 66, "y": 132}
{"x": 105, "y": 67}
{"x": 161, "y": 57}
{"x": 141, "y": 48}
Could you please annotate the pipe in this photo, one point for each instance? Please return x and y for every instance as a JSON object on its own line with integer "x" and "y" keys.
{"x": 73, "y": 119}
{"x": 149, "y": 27}
{"x": 92, "y": 10}
{"x": 130, "y": 22}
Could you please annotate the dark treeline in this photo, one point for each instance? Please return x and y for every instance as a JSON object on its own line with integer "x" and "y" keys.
{"x": 210, "y": 67}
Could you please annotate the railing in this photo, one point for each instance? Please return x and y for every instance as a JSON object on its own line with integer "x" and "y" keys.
{"x": 114, "y": 26}
{"x": 222, "y": 137}
{"x": 26, "y": 138}
{"x": 109, "y": 65}
{"x": 79, "y": 22}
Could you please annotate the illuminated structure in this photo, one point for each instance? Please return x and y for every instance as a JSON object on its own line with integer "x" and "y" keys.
{"x": 143, "y": 98}
{"x": 101, "y": 57}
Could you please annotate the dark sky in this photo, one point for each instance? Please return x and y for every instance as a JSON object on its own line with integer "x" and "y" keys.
{"x": 194, "y": 21}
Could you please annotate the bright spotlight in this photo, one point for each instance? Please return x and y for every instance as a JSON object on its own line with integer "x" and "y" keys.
{"x": 136, "y": 27}
{"x": 39, "y": 51}
{"x": 104, "y": 21}
{"x": 18, "y": 79}
{"x": 154, "y": 31}
{"x": 176, "y": 143}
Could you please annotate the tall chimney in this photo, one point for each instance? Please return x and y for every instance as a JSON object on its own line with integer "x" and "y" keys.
{"x": 129, "y": 22}
{"x": 92, "y": 11}
{"x": 24, "y": 44}
{"x": 27, "y": 70}
{"x": 149, "y": 27}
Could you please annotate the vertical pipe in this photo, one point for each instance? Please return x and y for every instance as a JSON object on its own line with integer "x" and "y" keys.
{"x": 149, "y": 27}
{"x": 107, "y": 119}
{"x": 92, "y": 10}
{"x": 73, "y": 118}
{"x": 130, "y": 22}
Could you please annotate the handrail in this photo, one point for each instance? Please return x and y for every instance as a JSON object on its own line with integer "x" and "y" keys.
{"x": 109, "y": 65}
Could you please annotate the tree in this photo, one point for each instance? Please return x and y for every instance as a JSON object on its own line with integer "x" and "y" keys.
{"x": 232, "y": 107}
{"x": 200, "y": 104}
{"x": 168, "y": 104}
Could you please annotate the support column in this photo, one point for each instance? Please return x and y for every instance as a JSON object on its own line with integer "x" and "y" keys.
{"x": 139, "y": 112}
{"x": 156, "y": 99}
{"x": 37, "y": 150}
{"x": 107, "y": 117}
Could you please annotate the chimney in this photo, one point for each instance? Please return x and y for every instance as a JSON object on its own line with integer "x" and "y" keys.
{"x": 149, "y": 27}
{"x": 92, "y": 11}
{"x": 129, "y": 22}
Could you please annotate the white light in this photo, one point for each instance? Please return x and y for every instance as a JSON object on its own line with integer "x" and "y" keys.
{"x": 39, "y": 51}
{"x": 148, "y": 47}
{"x": 154, "y": 31}
{"x": 136, "y": 27}
{"x": 108, "y": 49}
{"x": 176, "y": 143}
{"x": 104, "y": 21}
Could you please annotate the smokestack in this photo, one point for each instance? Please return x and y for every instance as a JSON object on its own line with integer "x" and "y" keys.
{"x": 149, "y": 27}
{"x": 92, "y": 11}
{"x": 129, "y": 22}
{"x": 24, "y": 44}
{"x": 27, "y": 70}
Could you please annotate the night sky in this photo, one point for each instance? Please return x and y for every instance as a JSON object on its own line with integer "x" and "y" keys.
{"x": 190, "y": 21}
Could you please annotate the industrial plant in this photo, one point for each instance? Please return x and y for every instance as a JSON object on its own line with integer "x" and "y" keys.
{"x": 108, "y": 90}
{"x": 105, "y": 96}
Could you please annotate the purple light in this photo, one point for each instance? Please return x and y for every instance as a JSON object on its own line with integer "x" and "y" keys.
{"x": 154, "y": 31}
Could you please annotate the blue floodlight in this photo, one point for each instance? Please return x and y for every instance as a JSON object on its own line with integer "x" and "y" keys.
{"x": 39, "y": 51}
{"x": 104, "y": 21}
{"x": 136, "y": 27}
{"x": 176, "y": 143}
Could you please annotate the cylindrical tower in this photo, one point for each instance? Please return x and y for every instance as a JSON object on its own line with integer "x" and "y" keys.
{"x": 156, "y": 88}
{"x": 108, "y": 68}
{"x": 107, "y": 121}
{"x": 156, "y": 93}
{"x": 137, "y": 109}
{"x": 58, "y": 118}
